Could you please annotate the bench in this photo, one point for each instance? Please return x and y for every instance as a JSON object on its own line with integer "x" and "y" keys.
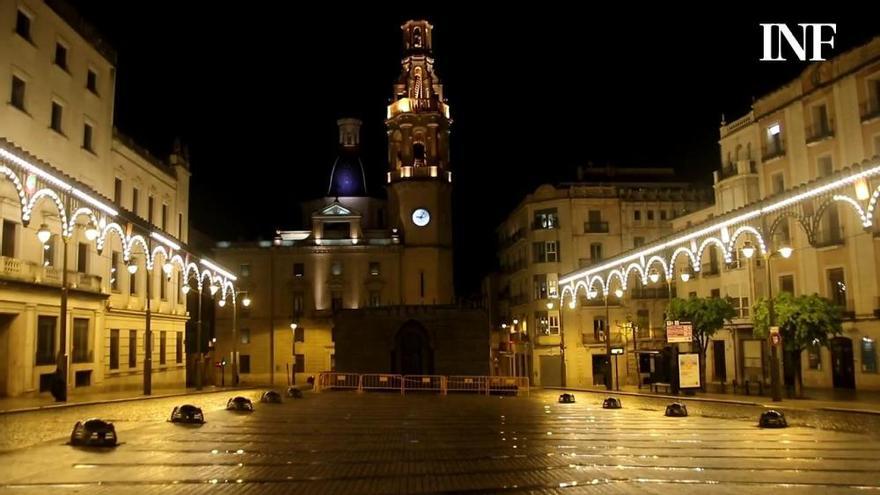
{"x": 656, "y": 386}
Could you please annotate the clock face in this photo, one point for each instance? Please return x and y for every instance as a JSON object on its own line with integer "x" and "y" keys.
{"x": 421, "y": 217}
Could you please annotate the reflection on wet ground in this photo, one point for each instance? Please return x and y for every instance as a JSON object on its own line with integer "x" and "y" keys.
{"x": 386, "y": 443}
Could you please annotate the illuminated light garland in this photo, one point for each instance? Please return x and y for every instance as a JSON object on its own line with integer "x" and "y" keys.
{"x": 866, "y": 222}
{"x": 217, "y": 269}
{"x": 716, "y": 227}
{"x": 164, "y": 240}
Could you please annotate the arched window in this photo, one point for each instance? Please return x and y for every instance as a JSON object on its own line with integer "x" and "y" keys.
{"x": 418, "y": 153}
{"x": 417, "y": 83}
{"x": 417, "y": 38}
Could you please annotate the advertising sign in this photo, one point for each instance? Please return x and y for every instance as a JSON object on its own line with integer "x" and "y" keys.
{"x": 689, "y": 370}
{"x": 679, "y": 331}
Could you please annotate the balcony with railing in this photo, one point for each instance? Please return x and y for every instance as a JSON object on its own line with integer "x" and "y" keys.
{"x": 740, "y": 167}
{"x": 512, "y": 239}
{"x": 548, "y": 339}
{"x": 710, "y": 269}
{"x": 828, "y": 237}
{"x": 870, "y": 110}
{"x": 649, "y": 293}
{"x": 820, "y": 131}
{"x": 29, "y": 272}
{"x": 773, "y": 150}
{"x": 595, "y": 227}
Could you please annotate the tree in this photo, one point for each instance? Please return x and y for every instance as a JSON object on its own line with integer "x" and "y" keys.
{"x": 707, "y": 315}
{"x": 802, "y": 321}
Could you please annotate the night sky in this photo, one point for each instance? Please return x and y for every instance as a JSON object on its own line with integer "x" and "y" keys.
{"x": 254, "y": 90}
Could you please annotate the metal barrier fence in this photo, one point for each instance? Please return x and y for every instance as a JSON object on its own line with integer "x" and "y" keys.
{"x": 479, "y": 384}
{"x": 339, "y": 381}
{"x": 380, "y": 381}
{"x": 475, "y": 384}
{"x": 424, "y": 383}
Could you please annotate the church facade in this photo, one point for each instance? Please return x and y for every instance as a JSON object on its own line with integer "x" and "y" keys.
{"x": 367, "y": 285}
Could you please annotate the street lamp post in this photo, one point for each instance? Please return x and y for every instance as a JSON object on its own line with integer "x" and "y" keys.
{"x": 246, "y": 302}
{"x": 63, "y": 359}
{"x": 775, "y": 381}
{"x": 293, "y": 327}
{"x": 148, "y": 331}
{"x": 199, "y": 359}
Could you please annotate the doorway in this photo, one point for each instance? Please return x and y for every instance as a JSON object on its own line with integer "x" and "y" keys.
{"x": 412, "y": 353}
{"x": 842, "y": 366}
{"x": 719, "y": 361}
{"x": 600, "y": 367}
{"x": 551, "y": 371}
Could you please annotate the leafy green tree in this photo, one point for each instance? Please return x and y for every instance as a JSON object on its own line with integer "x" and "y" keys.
{"x": 803, "y": 321}
{"x": 707, "y": 315}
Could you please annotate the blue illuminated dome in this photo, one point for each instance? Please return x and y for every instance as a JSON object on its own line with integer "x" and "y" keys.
{"x": 347, "y": 178}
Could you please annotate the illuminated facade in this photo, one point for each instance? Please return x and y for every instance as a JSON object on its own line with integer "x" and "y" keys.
{"x": 560, "y": 228}
{"x": 71, "y": 178}
{"x": 358, "y": 252}
{"x": 801, "y": 170}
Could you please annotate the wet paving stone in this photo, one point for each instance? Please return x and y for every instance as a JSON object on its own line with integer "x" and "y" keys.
{"x": 344, "y": 442}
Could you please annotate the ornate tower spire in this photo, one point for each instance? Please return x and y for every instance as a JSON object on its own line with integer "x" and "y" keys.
{"x": 418, "y": 117}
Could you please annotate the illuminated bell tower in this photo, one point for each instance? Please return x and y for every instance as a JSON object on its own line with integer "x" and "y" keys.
{"x": 419, "y": 177}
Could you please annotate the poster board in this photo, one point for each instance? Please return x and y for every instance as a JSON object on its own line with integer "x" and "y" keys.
{"x": 689, "y": 370}
{"x": 679, "y": 331}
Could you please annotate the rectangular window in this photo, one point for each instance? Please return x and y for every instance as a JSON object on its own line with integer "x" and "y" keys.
{"x": 132, "y": 348}
{"x": 180, "y": 226}
{"x": 422, "y": 284}
{"x": 715, "y": 293}
{"x": 539, "y": 254}
{"x": 17, "y": 96}
{"x": 299, "y": 270}
{"x": 596, "y": 252}
{"x": 23, "y": 25}
{"x": 786, "y": 284}
{"x": 49, "y": 251}
{"x": 542, "y": 322}
{"x": 61, "y": 56}
{"x": 552, "y": 250}
{"x": 663, "y": 215}
{"x": 245, "y": 335}
{"x": 638, "y": 241}
{"x": 92, "y": 81}
{"x": 869, "y": 355}
{"x": 163, "y": 286}
{"x": 114, "y": 349}
{"x": 117, "y": 191}
{"x": 115, "y": 256}
{"x": 164, "y": 217}
{"x": 299, "y": 335}
{"x": 46, "y": 339}
{"x": 134, "y": 200}
{"x": 132, "y": 284}
{"x": 82, "y": 257}
{"x": 814, "y": 356}
{"x": 637, "y": 215}
{"x": 546, "y": 219}
{"x": 55, "y": 120}
{"x": 374, "y": 268}
{"x": 643, "y": 321}
{"x": 81, "y": 340}
{"x": 244, "y": 363}
{"x": 375, "y": 299}
{"x": 8, "y": 243}
{"x": 336, "y": 300}
{"x": 539, "y": 282}
{"x": 244, "y": 270}
{"x": 87, "y": 143}
{"x": 298, "y": 303}
{"x": 837, "y": 287}
{"x": 300, "y": 365}
{"x": 598, "y": 329}
{"x": 650, "y": 215}
{"x": 824, "y": 166}
{"x": 777, "y": 183}
{"x": 162, "y": 346}
{"x": 553, "y": 323}
{"x": 178, "y": 348}
{"x": 150, "y": 206}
